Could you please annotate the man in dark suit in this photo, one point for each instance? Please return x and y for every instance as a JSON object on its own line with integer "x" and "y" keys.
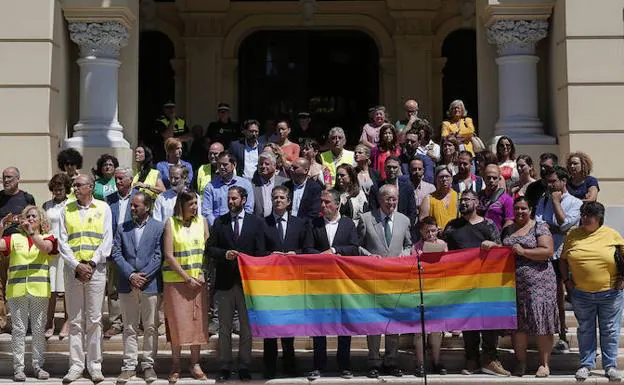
{"x": 407, "y": 200}
{"x": 137, "y": 254}
{"x": 285, "y": 234}
{"x": 247, "y": 150}
{"x": 332, "y": 234}
{"x": 231, "y": 233}
{"x": 306, "y": 193}
{"x": 263, "y": 182}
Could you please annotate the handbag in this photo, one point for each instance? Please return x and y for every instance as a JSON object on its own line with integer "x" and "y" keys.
{"x": 477, "y": 144}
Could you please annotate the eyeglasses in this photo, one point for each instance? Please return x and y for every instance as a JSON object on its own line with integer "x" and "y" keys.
{"x": 79, "y": 185}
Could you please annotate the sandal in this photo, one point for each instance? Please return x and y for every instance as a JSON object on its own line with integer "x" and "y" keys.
{"x": 49, "y": 333}
{"x": 174, "y": 376}
{"x": 64, "y": 330}
{"x": 542, "y": 371}
{"x": 197, "y": 372}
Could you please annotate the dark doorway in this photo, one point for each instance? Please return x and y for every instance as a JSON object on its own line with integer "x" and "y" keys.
{"x": 334, "y": 75}
{"x": 460, "y": 71}
{"x": 156, "y": 79}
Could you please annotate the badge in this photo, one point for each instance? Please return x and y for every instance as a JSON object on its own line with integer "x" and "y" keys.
{"x": 221, "y": 131}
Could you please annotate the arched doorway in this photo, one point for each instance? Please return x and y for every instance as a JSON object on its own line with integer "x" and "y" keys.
{"x": 156, "y": 79}
{"x": 460, "y": 72}
{"x": 334, "y": 75}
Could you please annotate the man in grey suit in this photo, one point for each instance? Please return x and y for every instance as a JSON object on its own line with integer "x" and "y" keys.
{"x": 384, "y": 232}
{"x": 137, "y": 254}
{"x": 263, "y": 182}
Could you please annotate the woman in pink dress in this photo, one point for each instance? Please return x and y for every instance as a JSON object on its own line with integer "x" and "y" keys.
{"x": 370, "y": 131}
{"x": 388, "y": 146}
{"x": 429, "y": 241}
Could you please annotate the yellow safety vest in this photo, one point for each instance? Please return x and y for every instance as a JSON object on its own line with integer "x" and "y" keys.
{"x": 84, "y": 237}
{"x": 188, "y": 249}
{"x": 179, "y": 124}
{"x": 150, "y": 180}
{"x": 28, "y": 269}
{"x": 204, "y": 176}
{"x": 329, "y": 169}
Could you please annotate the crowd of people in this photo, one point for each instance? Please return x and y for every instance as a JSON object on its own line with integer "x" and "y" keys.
{"x": 160, "y": 241}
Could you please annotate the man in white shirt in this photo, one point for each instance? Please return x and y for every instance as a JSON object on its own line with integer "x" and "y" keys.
{"x": 85, "y": 242}
{"x": 163, "y": 207}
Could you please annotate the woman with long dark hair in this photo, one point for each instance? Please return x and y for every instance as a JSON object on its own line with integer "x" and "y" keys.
{"x": 388, "y": 146}
{"x": 147, "y": 178}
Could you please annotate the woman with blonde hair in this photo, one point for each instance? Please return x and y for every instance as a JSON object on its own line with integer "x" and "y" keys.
{"x": 459, "y": 125}
{"x": 28, "y": 285}
{"x": 173, "y": 148}
{"x": 582, "y": 185}
{"x": 185, "y": 295}
{"x": 366, "y": 175}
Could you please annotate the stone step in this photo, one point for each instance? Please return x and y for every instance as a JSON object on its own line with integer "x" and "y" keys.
{"x": 453, "y": 359}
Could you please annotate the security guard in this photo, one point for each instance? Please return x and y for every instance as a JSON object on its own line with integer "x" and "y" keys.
{"x": 168, "y": 125}
{"x": 224, "y": 130}
{"x": 28, "y": 285}
{"x": 85, "y": 242}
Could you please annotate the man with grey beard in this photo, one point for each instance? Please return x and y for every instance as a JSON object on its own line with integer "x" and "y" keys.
{"x": 163, "y": 207}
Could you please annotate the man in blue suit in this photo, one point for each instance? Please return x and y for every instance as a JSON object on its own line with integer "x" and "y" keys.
{"x": 246, "y": 151}
{"x": 137, "y": 255}
{"x": 286, "y": 234}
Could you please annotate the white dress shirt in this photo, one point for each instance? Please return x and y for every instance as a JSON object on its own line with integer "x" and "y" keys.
{"x": 251, "y": 160}
{"x": 241, "y": 217}
{"x": 103, "y": 250}
{"x": 284, "y": 223}
{"x": 297, "y": 195}
{"x": 165, "y": 203}
{"x": 331, "y": 227}
{"x": 390, "y": 221}
{"x": 123, "y": 206}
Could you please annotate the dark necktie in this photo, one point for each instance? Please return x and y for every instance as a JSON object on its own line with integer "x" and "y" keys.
{"x": 387, "y": 231}
{"x": 280, "y": 228}
{"x": 236, "y": 227}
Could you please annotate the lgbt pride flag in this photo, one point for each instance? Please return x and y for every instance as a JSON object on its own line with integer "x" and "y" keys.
{"x": 323, "y": 295}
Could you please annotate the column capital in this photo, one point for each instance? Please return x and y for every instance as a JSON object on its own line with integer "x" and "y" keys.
{"x": 102, "y": 39}
{"x": 516, "y": 37}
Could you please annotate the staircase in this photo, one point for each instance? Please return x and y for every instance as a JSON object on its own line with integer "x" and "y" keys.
{"x": 563, "y": 366}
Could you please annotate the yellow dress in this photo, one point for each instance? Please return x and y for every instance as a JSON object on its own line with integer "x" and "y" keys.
{"x": 465, "y": 128}
{"x": 440, "y": 212}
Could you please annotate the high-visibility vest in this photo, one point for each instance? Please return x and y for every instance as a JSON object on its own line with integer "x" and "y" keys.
{"x": 329, "y": 168}
{"x": 150, "y": 180}
{"x": 204, "y": 176}
{"x": 179, "y": 124}
{"x": 84, "y": 237}
{"x": 188, "y": 249}
{"x": 28, "y": 269}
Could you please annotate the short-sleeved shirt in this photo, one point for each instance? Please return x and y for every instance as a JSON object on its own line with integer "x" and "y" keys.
{"x": 590, "y": 257}
{"x": 14, "y": 204}
{"x": 580, "y": 191}
{"x": 461, "y": 234}
{"x": 51, "y": 238}
{"x": 498, "y": 211}
{"x": 104, "y": 188}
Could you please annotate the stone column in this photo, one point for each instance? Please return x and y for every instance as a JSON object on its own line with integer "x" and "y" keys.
{"x": 517, "y": 79}
{"x": 98, "y": 129}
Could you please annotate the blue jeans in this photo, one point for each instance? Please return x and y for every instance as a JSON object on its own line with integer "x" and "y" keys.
{"x": 607, "y": 306}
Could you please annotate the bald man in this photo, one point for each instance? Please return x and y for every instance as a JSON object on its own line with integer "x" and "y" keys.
{"x": 411, "y": 118}
{"x": 207, "y": 172}
{"x": 494, "y": 202}
{"x": 306, "y": 192}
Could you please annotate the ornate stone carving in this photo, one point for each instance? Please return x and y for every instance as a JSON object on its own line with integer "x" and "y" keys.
{"x": 517, "y": 37}
{"x": 99, "y": 39}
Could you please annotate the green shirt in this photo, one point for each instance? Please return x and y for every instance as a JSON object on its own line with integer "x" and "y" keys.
{"x": 104, "y": 188}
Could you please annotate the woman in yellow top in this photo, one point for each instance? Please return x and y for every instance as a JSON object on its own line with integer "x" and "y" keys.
{"x": 591, "y": 276}
{"x": 185, "y": 293}
{"x": 28, "y": 285}
{"x": 442, "y": 203}
{"x": 459, "y": 125}
{"x": 147, "y": 178}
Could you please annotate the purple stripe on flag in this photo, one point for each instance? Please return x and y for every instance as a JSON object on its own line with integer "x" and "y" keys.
{"x": 354, "y": 329}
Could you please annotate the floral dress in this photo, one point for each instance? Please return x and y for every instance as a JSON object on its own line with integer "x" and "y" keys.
{"x": 536, "y": 288}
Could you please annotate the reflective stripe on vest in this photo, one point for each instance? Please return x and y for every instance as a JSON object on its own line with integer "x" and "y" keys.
{"x": 329, "y": 169}
{"x": 150, "y": 180}
{"x": 204, "y": 176}
{"x": 28, "y": 269}
{"x": 84, "y": 237}
{"x": 188, "y": 249}
{"x": 179, "y": 124}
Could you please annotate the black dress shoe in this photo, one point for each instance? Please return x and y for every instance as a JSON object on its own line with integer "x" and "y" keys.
{"x": 244, "y": 375}
{"x": 420, "y": 370}
{"x": 439, "y": 369}
{"x": 269, "y": 374}
{"x": 373, "y": 373}
{"x": 394, "y": 371}
{"x": 224, "y": 375}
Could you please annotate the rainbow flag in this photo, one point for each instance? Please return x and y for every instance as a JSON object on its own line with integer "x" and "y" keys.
{"x": 323, "y": 295}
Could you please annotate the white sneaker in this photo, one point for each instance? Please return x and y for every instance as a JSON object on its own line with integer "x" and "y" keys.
{"x": 72, "y": 376}
{"x": 96, "y": 376}
{"x": 582, "y": 374}
{"x": 613, "y": 374}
